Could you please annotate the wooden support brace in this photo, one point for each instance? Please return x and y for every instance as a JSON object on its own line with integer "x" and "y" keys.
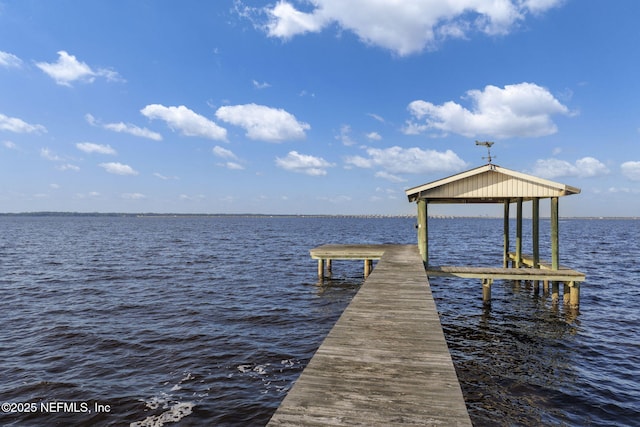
{"x": 320, "y": 269}
{"x": 328, "y": 267}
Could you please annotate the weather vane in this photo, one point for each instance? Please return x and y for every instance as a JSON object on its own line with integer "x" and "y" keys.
{"x": 487, "y": 144}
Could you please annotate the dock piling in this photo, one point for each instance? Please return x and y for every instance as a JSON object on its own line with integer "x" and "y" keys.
{"x": 574, "y": 294}
{"x": 565, "y": 294}
{"x": 368, "y": 266}
{"x": 555, "y": 292}
{"x": 486, "y": 291}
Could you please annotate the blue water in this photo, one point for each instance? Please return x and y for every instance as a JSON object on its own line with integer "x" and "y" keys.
{"x": 150, "y": 321}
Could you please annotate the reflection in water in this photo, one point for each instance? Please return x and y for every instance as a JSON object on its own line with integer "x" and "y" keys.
{"x": 513, "y": 362}
{"x": 218, "y": 316}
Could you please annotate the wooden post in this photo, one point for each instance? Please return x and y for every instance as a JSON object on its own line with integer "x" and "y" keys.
{"x": 565, "y": 294}
{"x": 328, "y": 267}
{"x": 574, "y": 294}
{"x": 505, "y": 254}
{"x": 368, "y": 266}
{"x": 320, "y": 269}
{"x": 486, "y": 291}
{"x": 519, "y": 233}
{"x": 423, "y": 231}
{"x": 535, "y": 231}
{"x": 555, "y": 292}
{"x": 555, "y": 245}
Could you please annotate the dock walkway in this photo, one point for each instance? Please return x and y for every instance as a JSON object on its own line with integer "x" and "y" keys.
{"x": 386, "y": 361}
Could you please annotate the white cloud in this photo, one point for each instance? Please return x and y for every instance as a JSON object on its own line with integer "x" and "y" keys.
{"x": 537, "y": 6}
{"x": 345, "y": 136}
{"x": 377, "y": 117}
{"x": 388, "y": 176}
{"x": 402, "y": 27}
{"x": 68, "y": 167}
{"x": 631, "y": 170}
{"x": 223, "y": 153}
{"x": 50, "y": 155}
{"x": 13, "y": 124}
{"x": 553, "y": 168}
{"x": 264, "y": 123}
{"x": 304, "y": 163}
{"x": 259, "y": 85}
{"x": 625, "y": 190}
{"x": 196, "y": 198}
{"x": 227, "y": 154}
{"x": 395, "y": 160}
{"x": 233, "y": 166}
{"x": 585, "y": 167}
{"x": 9, "y": 60}
{"x": 91, "y": 194}
{"x": 589, "y": 167}
{"x": 118, "y": 168}
{"x": 374, "y": 136}
{"x": 133, "y": 196}
{"x": 125, "y": 128}
{"x": 286, "y": 21}
{"x": 68, "y": 69}
{"x": 303, "y": 93}
{"x": 10, "y": 145}
{"x": 90, "y": 147}
{"x": 133, "y": 130}
{"x": 520, "y": 110}
{"x": 165, "y": 178}
{"x": 186, "y": 121}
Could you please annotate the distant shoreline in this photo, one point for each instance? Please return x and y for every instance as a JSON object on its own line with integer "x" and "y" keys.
{"x": 255, "y": 215}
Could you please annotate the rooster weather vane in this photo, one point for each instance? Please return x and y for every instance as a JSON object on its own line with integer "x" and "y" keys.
{"x": 487, "y": 144}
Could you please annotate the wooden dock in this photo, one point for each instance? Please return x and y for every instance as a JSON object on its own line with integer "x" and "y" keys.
{"x": 386, "y": 361}
{"x": 326, "y": 253}
{"x": 544, "y": 271}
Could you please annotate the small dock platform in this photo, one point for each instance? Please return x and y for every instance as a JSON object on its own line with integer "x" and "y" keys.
{"x": 326, "y": 253}
{"x": 569, "y": 277}
{"x": 386, "y": 361}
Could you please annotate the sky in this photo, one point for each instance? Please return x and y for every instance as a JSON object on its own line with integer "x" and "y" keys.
{"x": 313, "y": 106}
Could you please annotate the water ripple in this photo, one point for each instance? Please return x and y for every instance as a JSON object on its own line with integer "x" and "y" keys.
{"x": 210, "y": 320}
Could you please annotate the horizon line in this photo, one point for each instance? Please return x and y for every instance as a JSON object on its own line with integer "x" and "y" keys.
{"x": 248, "y": 214}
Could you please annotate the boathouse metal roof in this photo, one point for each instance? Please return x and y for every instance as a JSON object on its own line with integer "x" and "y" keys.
{"x": 489, "y": 184}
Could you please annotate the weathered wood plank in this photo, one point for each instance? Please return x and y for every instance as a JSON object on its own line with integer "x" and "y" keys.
{"x": 506, "y": 273}
{"x": 385, "y": 362}
{"x": 348, "y": 251}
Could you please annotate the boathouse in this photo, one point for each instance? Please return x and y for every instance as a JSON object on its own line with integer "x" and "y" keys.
{"x": 494, "y": 184}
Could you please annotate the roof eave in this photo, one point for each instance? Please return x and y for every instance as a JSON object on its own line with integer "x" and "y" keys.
{"x": 419, "y": 192}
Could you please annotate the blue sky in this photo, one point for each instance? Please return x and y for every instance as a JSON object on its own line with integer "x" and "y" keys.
{"x": 312, "y": 107}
